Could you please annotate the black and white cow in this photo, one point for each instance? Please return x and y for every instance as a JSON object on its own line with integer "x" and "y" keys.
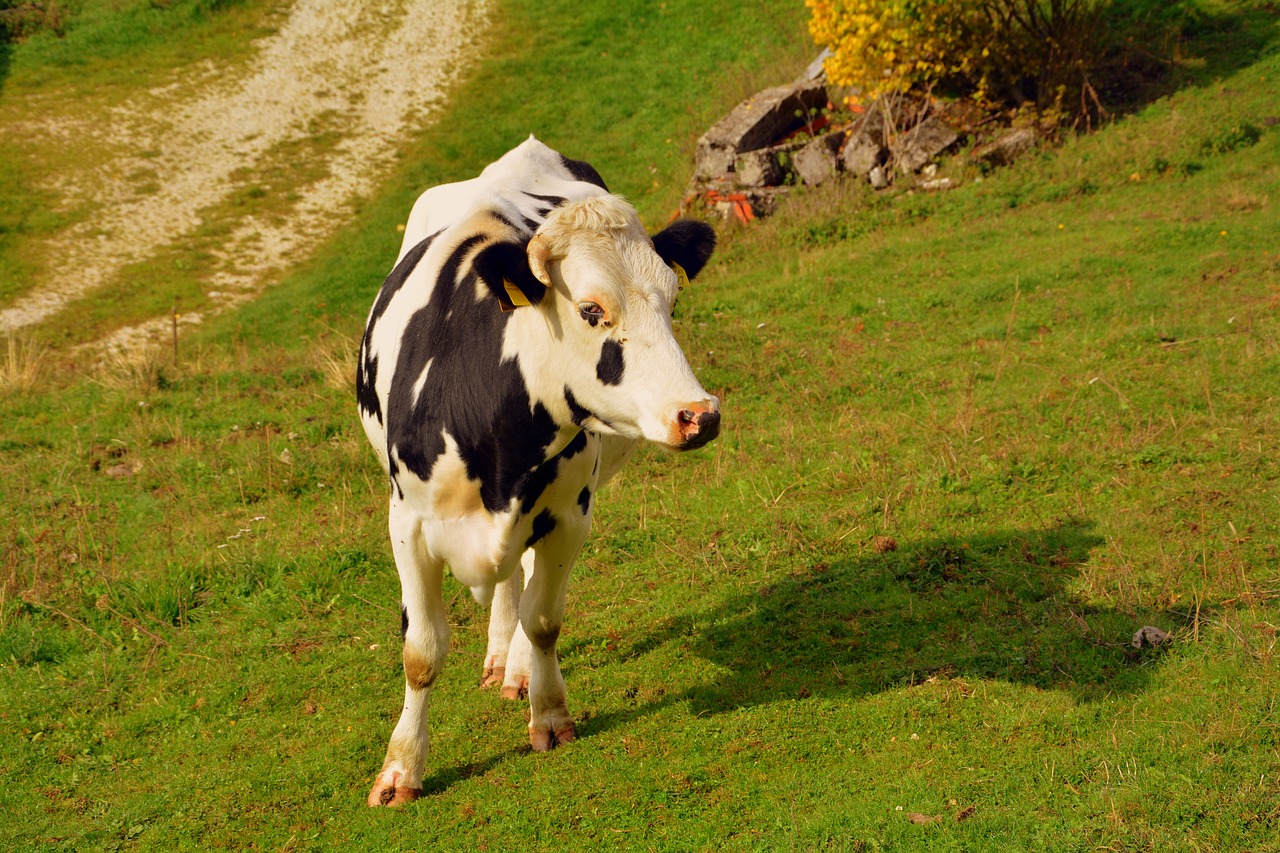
{"x": 519, "y": 350}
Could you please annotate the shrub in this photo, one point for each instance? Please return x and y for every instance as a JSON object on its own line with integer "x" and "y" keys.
{"x": 882, "y": 46}
{"x": 1015, "y": 52}
{"x": 20, "y": 19}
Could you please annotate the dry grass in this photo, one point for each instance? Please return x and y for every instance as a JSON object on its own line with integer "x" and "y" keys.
{"x": 137, "y": 368}
{"x": 1240, "y": 200}
{"x": 334, "y": 355}
{"x": 24, "y": 364}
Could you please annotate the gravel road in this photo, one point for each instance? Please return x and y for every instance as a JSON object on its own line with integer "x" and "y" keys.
{"x": 373, "y": 69}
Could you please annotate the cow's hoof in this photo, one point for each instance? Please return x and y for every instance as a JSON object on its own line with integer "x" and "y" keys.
{"x": 493, "y": 675}
{"x": 387, "y": 792}
{"x": 544, "y": 740}
{"x": 517, "y": 690}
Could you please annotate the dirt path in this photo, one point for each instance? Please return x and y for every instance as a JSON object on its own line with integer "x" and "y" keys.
{"x": 373, "y": 69}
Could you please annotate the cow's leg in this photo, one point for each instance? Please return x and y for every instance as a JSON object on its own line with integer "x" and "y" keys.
{"x": 426, "y": 643}
{"x": 504, "y": 616}
{"x": 541, "y": 615}
{"x": 515, "y": 684}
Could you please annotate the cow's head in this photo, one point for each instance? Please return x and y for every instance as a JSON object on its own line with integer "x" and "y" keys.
{"x": 595, "y": 342}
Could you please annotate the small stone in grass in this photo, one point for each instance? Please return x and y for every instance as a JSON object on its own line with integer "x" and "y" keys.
{"x": 1149, "y": 635}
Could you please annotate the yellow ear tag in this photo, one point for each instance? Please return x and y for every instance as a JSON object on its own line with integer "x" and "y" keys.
{"x": 681, "y": 279}
{"x": 518, "y": 299}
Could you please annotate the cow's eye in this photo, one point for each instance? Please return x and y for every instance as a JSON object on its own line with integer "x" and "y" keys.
{"x": 591, "y": 312}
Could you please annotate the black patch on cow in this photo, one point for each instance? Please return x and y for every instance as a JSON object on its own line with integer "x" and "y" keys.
{"x": 398, "y": 276}
{"x": 543, "y": 523}
{"x": 579, "y": 413}
{"x": 404, "y": 620}
{"x": 686, "y": 242}
{"x": 367, "y": 370}
{"x": 366, "y": 379}
{"x": 552, "y": 201}
{"x": 610, "y": 367}
{"x": 535, "y": 482}
{"x": 584, "y": 499}
{"x": 576, "y": 445}
{"x": 504, "y": 261}
{"x": 583, "y": 172}
{"x": 470, "y": 391}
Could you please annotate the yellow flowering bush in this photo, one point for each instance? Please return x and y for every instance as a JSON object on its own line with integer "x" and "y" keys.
{"x": 882, "y": 46}
{"x": 997, "y": 50}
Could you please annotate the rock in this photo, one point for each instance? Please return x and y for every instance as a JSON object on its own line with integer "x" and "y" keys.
{"x": 936, "y": 184}
{"x": 1006, "y": 149}
{"x": 879, "y": 179}
{"x": 760, "y": 168}
{"x": 773, "y": 166}
{"x": 816, "y": 161}
{"x": 923, "y": 142}
{"x": 1149, "y": 635}
{"x": 756, "y": 123}
{"x": 816, "y": 72}
{"x": 867, "y": 145}
{"x": 860, "y": 155}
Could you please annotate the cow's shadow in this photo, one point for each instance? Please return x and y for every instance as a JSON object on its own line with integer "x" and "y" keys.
{"x": 996, "y": 606}
{"x": 448, "y": 775}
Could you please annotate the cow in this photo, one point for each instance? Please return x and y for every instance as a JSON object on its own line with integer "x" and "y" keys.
{"x": 519, "y": 350}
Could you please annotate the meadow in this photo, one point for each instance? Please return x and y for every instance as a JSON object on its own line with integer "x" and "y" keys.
{"x": 972, "y": 443}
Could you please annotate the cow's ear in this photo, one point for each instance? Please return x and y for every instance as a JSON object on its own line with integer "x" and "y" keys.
{"x": 504, "y": 267}
{"x": 686, "y": 242}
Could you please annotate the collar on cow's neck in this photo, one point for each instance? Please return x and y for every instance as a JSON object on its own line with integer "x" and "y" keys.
{"x": 681, "y": 277}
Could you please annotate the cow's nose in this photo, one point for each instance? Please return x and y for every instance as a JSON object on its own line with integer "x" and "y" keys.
{"x": 698, "y": 424}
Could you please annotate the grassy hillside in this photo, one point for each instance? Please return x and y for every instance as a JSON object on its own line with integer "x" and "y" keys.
{"x": 973, "y": 442}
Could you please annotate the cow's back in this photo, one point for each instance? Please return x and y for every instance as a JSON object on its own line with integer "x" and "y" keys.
{"x": 523, "y": 185}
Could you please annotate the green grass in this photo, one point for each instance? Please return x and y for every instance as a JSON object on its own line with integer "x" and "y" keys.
{"x": 90, "y": 44}
{"x": 1054, "y": 390}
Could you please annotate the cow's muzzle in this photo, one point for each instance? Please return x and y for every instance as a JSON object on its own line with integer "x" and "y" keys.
{"x": 696, "y": 425}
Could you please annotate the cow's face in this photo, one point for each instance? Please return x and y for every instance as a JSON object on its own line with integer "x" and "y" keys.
{"x": 611, "y": 353}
